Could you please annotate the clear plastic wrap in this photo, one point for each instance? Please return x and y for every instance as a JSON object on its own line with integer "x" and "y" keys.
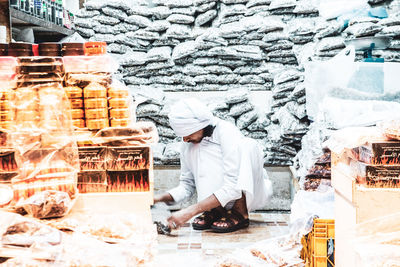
{"x": 390, "y": 128}
{"x": 87, "y": 81}
{"x": 142, "y": 132}
{"x": 7, "y": 83}
{"x": 122, "y": 109}
{"x": 47, "y": 204}
{"x": 377, "y": 242}
{"x": 42, "y": 135}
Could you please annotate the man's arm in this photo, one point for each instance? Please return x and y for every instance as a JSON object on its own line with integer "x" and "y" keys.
{"x": 180, "y": 217}
{"x": 165, "y": 197}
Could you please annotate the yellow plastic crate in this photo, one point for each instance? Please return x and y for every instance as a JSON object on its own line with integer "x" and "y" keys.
{"x": 315, "y": 245}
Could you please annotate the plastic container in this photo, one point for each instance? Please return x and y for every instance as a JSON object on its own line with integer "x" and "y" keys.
{"x": 50, "y": 49}
{"x": 3, "y": 50}
{"x": 95, "y": 48}
{"x": 317, "y": 242}
{"x": 20, "y": 50}
{"x": 73, "y": 49}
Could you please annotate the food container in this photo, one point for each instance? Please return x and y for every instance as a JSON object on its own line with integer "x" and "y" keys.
{"x": 73, "y": 92}
{"x": 119, "y": 122}
{"x": 97, "y": 124}
{"x": 95, "y": 90}
{"x": 96, "y": 113}
{"x": 49, "y": 49}
{"x": 72, "y": 49}
{"x": 118, "y": 103}
{"x": 117, "y": 92}
{"x": 76, "y": 103}
{"x": 120, "y": 113}
{"x": 80, "y": 123}
{"x": 95, "y": 103}
{"x": 77, "y": 114}
{"x": 20, "y": 50}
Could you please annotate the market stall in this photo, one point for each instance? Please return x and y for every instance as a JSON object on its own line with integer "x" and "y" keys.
{"x": 74, "y": 161}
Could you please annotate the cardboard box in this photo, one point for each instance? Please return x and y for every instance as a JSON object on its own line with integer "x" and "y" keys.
{"x": 7, "y": 161}
{"x": 92, "y": 181}
{"x": 129, "y": 181}
{"x": 379, "y": 152}
{"x": 354, "y": 204}
{"x": 129, "y": 158}
{"x": 93, "y": 158}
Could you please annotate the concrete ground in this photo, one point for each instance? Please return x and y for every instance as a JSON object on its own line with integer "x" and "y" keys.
{"x": 188, "y": 247}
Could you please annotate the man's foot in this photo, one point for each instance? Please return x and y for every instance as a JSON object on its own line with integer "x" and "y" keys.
{"x": 205, "y": 220}
{"x": 231, "y": 222}
{"x": 235, "y": 219}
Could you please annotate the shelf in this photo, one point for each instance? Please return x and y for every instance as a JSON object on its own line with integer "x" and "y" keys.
{"x": 39, "y": 26}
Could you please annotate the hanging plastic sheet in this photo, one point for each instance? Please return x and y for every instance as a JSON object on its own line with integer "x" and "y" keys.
{"x": 348, "y": 93}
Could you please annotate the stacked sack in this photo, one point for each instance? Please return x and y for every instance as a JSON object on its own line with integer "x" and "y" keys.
{"x": 209, "y": 45}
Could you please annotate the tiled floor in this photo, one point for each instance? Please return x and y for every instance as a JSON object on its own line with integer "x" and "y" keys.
{"x": 205, "y": 248}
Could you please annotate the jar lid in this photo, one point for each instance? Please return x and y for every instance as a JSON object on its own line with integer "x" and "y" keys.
{"x": 50, "y": 49}
{"x": 20, "y": 49}
{"x": 73, "y": 49}
{"x": 3, "y": 50}
{"x": 95, "y": 48}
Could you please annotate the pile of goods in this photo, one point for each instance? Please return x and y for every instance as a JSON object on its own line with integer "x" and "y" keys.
{"x": 66, "y": 127}
{"x": 208, "y": 45}
{"x": 320, "y": 173}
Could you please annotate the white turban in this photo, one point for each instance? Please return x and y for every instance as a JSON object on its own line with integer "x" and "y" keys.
{"x": 188, "y": 116}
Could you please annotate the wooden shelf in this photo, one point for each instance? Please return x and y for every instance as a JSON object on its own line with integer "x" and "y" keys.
{"x": 39, "y": 26}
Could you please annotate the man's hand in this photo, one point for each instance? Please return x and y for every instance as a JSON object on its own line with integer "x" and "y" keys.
{"x": 180, "y": 217}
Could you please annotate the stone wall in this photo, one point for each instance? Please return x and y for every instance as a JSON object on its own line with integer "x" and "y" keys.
{"x": 232, "y": 46}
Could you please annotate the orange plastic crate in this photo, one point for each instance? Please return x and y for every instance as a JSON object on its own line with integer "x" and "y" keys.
{"x": 315, "y": 251}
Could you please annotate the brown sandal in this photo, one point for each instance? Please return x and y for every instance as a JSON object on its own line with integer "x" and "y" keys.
{"x": 229, "y": 219}
{"x": 209, "y": 217}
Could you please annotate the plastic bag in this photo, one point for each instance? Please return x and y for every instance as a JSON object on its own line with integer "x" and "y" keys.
{"x": 320, "y": 203}
{"x": 319, "y": 77}
{"x": 47, "y": 204}
{"x": 329, "y": 9}
{"x": 42, "y": 134}
{"x": 139, "y": 133}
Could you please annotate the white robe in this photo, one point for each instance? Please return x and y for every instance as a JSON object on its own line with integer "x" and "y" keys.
{"x": 224, "y": 164}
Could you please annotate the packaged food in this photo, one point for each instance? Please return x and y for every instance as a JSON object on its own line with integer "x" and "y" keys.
{"x": 49, "y": 49}
{"x": 118, "y": 92}
{"x": 95, "y": 90}
{"x": 97, "y": 124}
{"x": 76, "y": 103}
{"x": 77, "y": 114}
{"x": 6, "y": 125}
{"x": 6, "y": 115}
{"x": 73, "y": 92}
{"x": 5, "y": 105}
{"x": 47, "y": 204}
{"x": 72, "y": 49}
{"x": 118, "y": 103}
{"x": 96, "y": 113}
{"x": 378, "y": 152}
{"x": 119, "y": 122}
{"x": 80, "y": 123}
{"x": 6, "y": 95}
{"x": 27, "y": 115}
{"x": 94, "y": 103}
{"x": 119, "y": 113}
